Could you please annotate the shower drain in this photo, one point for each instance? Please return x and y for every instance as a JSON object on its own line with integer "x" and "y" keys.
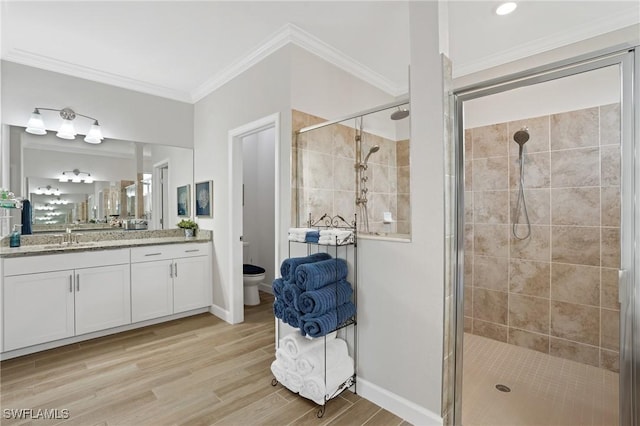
{"x": 503, "y": 388}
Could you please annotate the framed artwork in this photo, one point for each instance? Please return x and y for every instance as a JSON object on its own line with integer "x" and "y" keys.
{"x": 184, "y": 200}
{"x": 204, "y": 199}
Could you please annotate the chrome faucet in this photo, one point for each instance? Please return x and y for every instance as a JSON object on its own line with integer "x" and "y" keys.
{"x": 68, "y": 237}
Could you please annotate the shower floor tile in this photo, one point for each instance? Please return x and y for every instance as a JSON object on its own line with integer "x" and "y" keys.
{"x": 545, "y": 390}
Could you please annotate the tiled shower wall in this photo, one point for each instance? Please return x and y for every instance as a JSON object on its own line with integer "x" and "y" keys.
{"x": 555, "y": 292}
{"x": 324, "y": 175}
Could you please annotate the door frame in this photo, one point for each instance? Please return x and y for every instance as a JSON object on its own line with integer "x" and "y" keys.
{"x": 156, "y": 202}
{"x": 629, "y": 62}
{"x": 234, "y": 203}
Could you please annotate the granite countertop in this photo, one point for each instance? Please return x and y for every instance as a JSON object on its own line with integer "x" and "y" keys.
{"x": 35, "y": 245}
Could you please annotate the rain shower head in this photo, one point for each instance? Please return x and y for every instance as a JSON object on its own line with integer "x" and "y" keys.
{"x": 373, "y": 149}
{"x": 400, "y": 114}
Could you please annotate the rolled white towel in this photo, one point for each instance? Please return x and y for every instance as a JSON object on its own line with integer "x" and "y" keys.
{"x": 278, "y": 372}
{"x": 294, "y": 344}
{"x": 293, "y": 380}
{"x": 301, "y": 238}
{"x": 285, "y": 360}
{"x": 313, "y": 361}
{"x": 300, "y": 231}
{"x": 314, "y": 388}
{"x": 340, "y": 233}
{"x": 327, "y": 241}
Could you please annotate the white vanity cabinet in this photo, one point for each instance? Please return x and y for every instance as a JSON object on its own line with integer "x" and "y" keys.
{"x": 52, "y": 297}
{"x": 169, "y": 279}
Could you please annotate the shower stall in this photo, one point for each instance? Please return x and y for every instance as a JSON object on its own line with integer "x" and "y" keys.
{"x": 356, "y": 166}
{"x": 545, "y": 230}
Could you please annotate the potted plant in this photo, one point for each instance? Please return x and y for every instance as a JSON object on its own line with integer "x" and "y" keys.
{"x": 189, "y": 227}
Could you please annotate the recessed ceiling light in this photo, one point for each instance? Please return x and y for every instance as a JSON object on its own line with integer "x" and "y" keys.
{"x": 506, "y": 8}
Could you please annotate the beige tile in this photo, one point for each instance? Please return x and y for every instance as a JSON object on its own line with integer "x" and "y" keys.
{"x": 378, "y": 204}
{"x": 491, "y": 207}
{"x": 609, "y": 289}
{"x": 298, "y": 120}
{"x": 468, "y": 239}
{"x": 403, "y": 178}
{"x": 610, "y": 165}
{"x": 344, "y": 205}
{"x": 575, "y": 167}
{"x": 404, "y": 207}
{"x": 575, "y": 129}
{"x": 387, "y": 153}
{"x": 535, "y": 247}
{"x": 316, "y": 202}
{"x": 468, "y": 144}
{"x": 610, "y": 124}
{"x": 468, "y": 175}
{"x": 491, "y": 240}
{"x": 529, "y": 277}
{"x": 526, "y": 339}
{"x": 491, "y": 272}
{"x": 610, "y": 209}
{"x": 538, "y": 128}
{"x": 536, "y": 171}
{"x": 402, "y": 153}
{"x": 489, "y": 305}
{"x": 610, "y": 360}
{"x": 577, "y": 245}
{"x": 318, "y": 140}
{"x": 490, "y": 330}
{"x": 468, "y": 206}
{"x": 468, "y": 324}
{"x": 575, "y": 206}
{"x": 538, "y": 203}
{"x": 468, "y": 270}
{"x": 343, "y": 176}
{"x": 316, "y": 171}
{"x": 468, "y": 302}
{"x": 490, "y": 173}
{"x": 344, "y": 144}
{"x": 574, "y": 351}
{"x": 610, "y": 329}
{"x": 490, "y": 141}
{"x": 611, "y": 247}
{"x": 379, "y": 180}
{"x": 403, "y": 227}
{"x": 575, "y": 322}
{"x": 575, "y": 283}
{"x": 529, "y": 313}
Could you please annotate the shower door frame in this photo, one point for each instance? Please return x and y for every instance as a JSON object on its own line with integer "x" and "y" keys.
{"x": 628, "y": 61}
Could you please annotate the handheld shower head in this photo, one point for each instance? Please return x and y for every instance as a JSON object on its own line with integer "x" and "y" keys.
{"x": 400, "y": 114}
{"x": 373, "y": 149}
{"x": 521, "y": 137}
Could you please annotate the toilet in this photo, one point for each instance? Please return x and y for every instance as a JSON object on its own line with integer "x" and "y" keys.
{"x": 252, "y": 276}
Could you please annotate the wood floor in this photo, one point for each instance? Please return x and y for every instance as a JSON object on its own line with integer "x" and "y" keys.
{"x": 194, "y": 371}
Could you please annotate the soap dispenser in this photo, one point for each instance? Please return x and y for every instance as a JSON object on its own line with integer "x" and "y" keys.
{"x": 14, "y": 239}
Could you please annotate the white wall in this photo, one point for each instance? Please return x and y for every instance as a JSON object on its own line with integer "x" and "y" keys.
{"x": 123, "y": 114}
{"x": 259, "y": 92}
{"x": 259, "y": 195}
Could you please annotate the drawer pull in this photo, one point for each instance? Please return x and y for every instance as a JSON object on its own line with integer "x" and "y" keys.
{"x": 70, "y": 283}
{"x": 191, "y": 251}
{"x": 176, "y": 269}
{"x": 78, "y": 282}
{"x": 171, "y": 270}
{"x": 153, "y": 254}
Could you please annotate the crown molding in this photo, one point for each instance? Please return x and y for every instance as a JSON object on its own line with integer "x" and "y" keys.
{"x": 51, "y": 64}
{"x": 595, "y": 28}
{"x": 293, "y": 34}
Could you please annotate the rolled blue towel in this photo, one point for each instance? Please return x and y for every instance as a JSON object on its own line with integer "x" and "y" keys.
{"x": 291, "y": 293}
{"x": 317, "y": 326}
{"x": 278, "y": 286}
{"x": 312, "y": 276}
{"x": 279, "y": 307}
{"x": 317, "y": 302}
{"x": 292, "y": 316}
{"x": 312, "y": 236}
{"x": 288, "y": 267}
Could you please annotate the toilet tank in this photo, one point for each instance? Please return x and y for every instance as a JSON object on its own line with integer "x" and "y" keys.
{"x": 245, "y": 252}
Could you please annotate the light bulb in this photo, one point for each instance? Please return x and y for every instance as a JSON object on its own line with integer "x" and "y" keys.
{"x": 95, "y": 134}
{"x": 67, "y": 130}
{"x": 35, "y": 126}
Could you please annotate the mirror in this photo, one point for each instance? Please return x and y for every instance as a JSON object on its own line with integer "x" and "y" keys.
{"x": 357, "y": 167}
{"x": 110, "y": 186}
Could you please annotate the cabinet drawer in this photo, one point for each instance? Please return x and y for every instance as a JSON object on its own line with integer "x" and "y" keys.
{"x": 169, "y": 251}
{"x": 59, "y": 262}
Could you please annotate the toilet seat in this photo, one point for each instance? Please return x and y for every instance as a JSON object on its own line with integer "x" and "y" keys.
{"x": 248, "y": 269}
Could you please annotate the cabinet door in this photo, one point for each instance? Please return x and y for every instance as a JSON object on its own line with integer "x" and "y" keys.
{"x": 103, "y": 298}
{"x": 38, "y": 308}
{"x": 191, "y": 283}
{"x": 151, "y": 290}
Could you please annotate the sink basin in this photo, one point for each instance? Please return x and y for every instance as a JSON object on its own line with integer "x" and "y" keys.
{"x": 74, "y": 245}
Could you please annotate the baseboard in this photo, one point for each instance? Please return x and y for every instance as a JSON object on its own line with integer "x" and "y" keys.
{"x": 401, "y": 407}
{"x": 265, "y": 287}
{"x": 221, "y": 313}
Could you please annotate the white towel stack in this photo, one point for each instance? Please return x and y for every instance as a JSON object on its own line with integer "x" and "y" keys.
{"x": 299, "y": 234}
{"x": 300, "y": 365}
{"x": 335, "y": 236}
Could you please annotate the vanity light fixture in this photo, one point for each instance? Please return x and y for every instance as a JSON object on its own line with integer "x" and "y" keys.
{"x": 76, "y": 176}
{"x": 47, "y": 190}
{"x": 67, "y": 130}
{"x": 59, "y": 201}
{"x": 506, "y": 8}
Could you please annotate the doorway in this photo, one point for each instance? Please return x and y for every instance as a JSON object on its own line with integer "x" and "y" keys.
{"x": 160, "y": 203}
{"x": 265, "y": 131}
{"x": 545, "y": 227}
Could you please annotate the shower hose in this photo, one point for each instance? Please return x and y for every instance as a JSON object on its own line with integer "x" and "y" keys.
{"x": 521, "y": 205}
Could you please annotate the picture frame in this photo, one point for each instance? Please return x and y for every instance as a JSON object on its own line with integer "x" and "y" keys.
{"x": 204, "y": 199}
{"x": 183, "y": 200}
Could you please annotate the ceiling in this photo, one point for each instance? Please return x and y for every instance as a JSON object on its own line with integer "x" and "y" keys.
{"x": 184, "y": 50}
